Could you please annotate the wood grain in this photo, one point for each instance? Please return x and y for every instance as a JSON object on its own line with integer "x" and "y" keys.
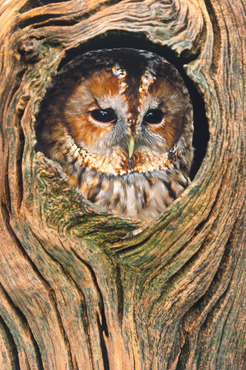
{"x": 77, "y": 292}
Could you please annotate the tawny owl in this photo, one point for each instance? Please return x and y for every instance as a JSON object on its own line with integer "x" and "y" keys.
{"x": 119, "y": 122}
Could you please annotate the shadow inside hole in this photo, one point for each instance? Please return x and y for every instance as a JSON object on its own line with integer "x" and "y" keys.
{"x": 118, "y": 39}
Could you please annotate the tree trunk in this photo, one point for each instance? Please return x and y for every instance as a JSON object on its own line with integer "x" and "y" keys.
{"x": 76, "y": 293}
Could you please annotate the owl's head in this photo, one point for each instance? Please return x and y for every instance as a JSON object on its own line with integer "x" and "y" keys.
{"x": 122, "y": 110}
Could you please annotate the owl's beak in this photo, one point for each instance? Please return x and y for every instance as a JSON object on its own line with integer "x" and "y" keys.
{"x": 131, "y": 146}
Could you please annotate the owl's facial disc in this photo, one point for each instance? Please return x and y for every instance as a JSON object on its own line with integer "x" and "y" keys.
{"x": 125, "y": 115}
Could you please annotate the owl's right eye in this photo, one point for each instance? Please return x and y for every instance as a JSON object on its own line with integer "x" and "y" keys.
{"x": 103, "y": 115}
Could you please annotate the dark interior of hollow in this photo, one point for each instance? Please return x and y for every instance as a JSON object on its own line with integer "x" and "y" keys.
{"x": 116, "y": 39}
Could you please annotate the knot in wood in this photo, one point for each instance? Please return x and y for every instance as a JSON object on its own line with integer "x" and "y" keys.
{"x": 29, "y": 49}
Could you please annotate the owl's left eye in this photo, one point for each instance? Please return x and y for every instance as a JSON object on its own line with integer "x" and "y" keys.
{"x": 103, "y": 115}
{"x": 153, "y": 117}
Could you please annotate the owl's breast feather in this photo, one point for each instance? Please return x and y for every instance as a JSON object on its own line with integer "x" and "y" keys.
{"x": 138, "y": 195}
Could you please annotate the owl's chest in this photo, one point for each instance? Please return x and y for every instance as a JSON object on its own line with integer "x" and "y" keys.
{"x": 139, "y": 195}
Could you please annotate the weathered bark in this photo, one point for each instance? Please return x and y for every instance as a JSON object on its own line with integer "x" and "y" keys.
{"x": 76, "y": 294}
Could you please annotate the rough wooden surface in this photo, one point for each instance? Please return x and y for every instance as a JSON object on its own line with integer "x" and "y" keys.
{"x": 74, "y": 292}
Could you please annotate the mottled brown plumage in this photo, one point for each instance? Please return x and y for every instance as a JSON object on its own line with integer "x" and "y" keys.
{"x": 119, "y": 121}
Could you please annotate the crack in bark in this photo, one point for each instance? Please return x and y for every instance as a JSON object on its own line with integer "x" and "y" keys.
{"x": 83, "y": 310}
{"x": 102, "y": 330}
{"x": 26, "y": 328}
{"x": 94, "y": 279}
{"x": 11, "y": 343}
{"x": 216, "y": 34}
{"x": 101, "y": 321}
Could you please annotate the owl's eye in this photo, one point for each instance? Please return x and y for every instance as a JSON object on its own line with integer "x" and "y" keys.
{"x": 104, "y": 115}
{"x": 153, "y": 117}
